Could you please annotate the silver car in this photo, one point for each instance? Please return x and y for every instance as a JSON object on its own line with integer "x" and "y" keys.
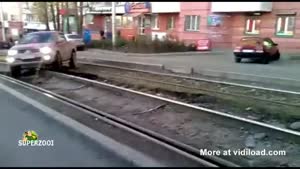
{"x": 77, "y": 40}
{"x": 41, "y": 49}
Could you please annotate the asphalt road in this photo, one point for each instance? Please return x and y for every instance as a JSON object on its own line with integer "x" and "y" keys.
{"x": 283, "y": 68}
{"x": 70, "y": 147}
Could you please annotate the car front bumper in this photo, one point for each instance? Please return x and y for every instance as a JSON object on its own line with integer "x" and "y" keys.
{"x": 253, "y": 55}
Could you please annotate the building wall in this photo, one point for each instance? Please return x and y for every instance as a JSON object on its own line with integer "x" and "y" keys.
{"x": 163, "y": 23}
{"x": 228, "y": 34}
{"x": 193, "y": 8}
{"x": 268, "y": 24}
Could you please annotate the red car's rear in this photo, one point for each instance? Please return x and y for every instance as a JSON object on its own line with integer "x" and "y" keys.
{"x": 255, "y": 48}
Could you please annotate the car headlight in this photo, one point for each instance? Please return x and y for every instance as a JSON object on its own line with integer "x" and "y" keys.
{"x": 10, "y": 59}
{"x": 47, "y": 57}
{"x": 45, "y": 50}
{"x": 12, "y": 52}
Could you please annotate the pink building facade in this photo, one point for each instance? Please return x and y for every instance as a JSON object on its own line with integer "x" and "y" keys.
{"x": 223, "y": 23}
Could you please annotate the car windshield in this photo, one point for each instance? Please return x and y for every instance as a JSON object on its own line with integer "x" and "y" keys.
{"x": 73, "y": 36}
{"x": 37, "y": 38}
{"x": 250, "y": 41}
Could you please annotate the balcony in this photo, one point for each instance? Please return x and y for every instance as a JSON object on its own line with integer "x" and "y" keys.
{"x": 241, "y": 6}
{"x": 165, "y": 7}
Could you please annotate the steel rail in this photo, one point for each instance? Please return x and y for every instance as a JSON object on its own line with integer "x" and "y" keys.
{"x": 193, "y": 78}
{"x": 206, "y": 110}
{"x": 202, "y": 89}
{"x": 181, "y": 148}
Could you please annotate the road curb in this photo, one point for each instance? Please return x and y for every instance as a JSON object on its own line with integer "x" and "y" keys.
{"x": 134, "y": 65}
{"x": 95, "y": 51}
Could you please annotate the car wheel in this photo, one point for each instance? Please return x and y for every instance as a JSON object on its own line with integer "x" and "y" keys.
{"x": 265, "y": 60}
{"x": 237, "y": 60}
{"x": 15, "y": 71}
{"x": 57, "y": 65}
{"x": 277, "y": 55}
{"x": 73, "y": 61}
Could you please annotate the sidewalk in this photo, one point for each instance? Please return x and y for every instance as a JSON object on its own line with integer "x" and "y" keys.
{"x": 221, "y": 62}
{"x": 284, "y": 55}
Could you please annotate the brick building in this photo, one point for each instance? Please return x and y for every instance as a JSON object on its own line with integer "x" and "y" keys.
{"x": 224, "y": 23}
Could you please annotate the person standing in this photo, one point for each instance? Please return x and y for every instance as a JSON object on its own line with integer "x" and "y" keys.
{"x": 102, "y": 35}
{"x": 87, "y": 36}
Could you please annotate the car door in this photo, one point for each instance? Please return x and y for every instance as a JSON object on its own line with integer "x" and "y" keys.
{"x": 62, "y": 46}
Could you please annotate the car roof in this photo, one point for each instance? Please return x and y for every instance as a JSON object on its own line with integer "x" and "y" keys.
{"x": 41, "y": 32}
{"x": 71, "y": 34}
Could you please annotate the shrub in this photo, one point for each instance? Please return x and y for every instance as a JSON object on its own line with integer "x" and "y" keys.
{"x": 102, "y": 44}
{"x": 144, "y": 44}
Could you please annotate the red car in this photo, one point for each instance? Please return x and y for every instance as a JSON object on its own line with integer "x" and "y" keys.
{"x": 263, "y": 49}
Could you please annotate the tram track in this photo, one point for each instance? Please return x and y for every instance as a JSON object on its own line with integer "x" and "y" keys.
{"x": 273, "y": 106}
{"x": 194, "y": 126}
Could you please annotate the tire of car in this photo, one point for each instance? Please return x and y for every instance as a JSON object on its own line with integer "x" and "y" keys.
{"x": 57, "y": 65}
{"x": 73, "y": 60}
{"x": 15, "y": 71}
{"x": 277, "y": 55}
{"x": 265, "y": 60}
{"x": 237, "y": 60}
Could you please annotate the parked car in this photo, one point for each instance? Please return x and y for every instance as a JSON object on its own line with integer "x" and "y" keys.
{"x": 44, "y": 48}
{"x": 5, "y": 45}
{"x": 263, "y": 49}
{"x": 75, "y": 38}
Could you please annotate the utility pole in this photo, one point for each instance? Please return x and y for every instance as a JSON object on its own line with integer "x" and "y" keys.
{"x": 2, "y": 26}
{"x": 113, "y": 27}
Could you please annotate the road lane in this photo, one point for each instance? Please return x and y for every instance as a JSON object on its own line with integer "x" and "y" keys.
{"x": 70, "y": 147}
{"x": 221, "y": 62}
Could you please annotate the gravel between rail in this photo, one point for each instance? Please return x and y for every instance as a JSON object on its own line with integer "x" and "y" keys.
{"x": 225, "y": 98}
{"x": 193, "y": 127}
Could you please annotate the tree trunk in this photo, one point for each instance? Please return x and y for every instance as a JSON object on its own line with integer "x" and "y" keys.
{"x": 76, "y": 16}
{"x": 80, "y": 18}
{"x": 57, "y": 16}
{"x": 46, "y": 16}
{"x": 68, "y": 22}
{"x": 63, "y": 17}
{"x": 53, "y": 15}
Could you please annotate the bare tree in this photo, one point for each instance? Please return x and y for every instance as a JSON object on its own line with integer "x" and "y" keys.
{"x": 45, "y": 5}
{"x": 41, "y": 10}
{"x": 76, "y": 16}
{"x": 63, "y": 17}
{"x": 57, "y": 16}
{"x": 68, "y": 21}
{"x": 53, "y": 14}
{"x": 81, "y": 17}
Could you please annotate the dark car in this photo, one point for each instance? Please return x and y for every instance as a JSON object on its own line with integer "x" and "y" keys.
{"x": 5, "y": 45}
{"x": 263, "y": 49}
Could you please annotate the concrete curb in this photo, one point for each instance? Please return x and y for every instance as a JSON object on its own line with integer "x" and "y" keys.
{"x": 201, "y": 72}
{"x": 95, "y": 51}
{"x": 134, "y": 65}
{"x": 4, "y": 67}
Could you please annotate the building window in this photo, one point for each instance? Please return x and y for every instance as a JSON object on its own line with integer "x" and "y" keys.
{"x": 285, "y": 25}
{"x": 192, "y": 23}
{"x": 12, "y": 17}
{"x": 154, "y": 22}
{"x": 5, "y": 16}
{"x": 171, "y": 23}
{"x": 252, "y": 26}
{"x": 118, "y": 21}
{"x": 127, "y": 21}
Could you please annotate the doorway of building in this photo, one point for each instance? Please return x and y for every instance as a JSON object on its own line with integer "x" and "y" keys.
{"x": 142, "y": 24}
{"x": 108, "y": 27}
